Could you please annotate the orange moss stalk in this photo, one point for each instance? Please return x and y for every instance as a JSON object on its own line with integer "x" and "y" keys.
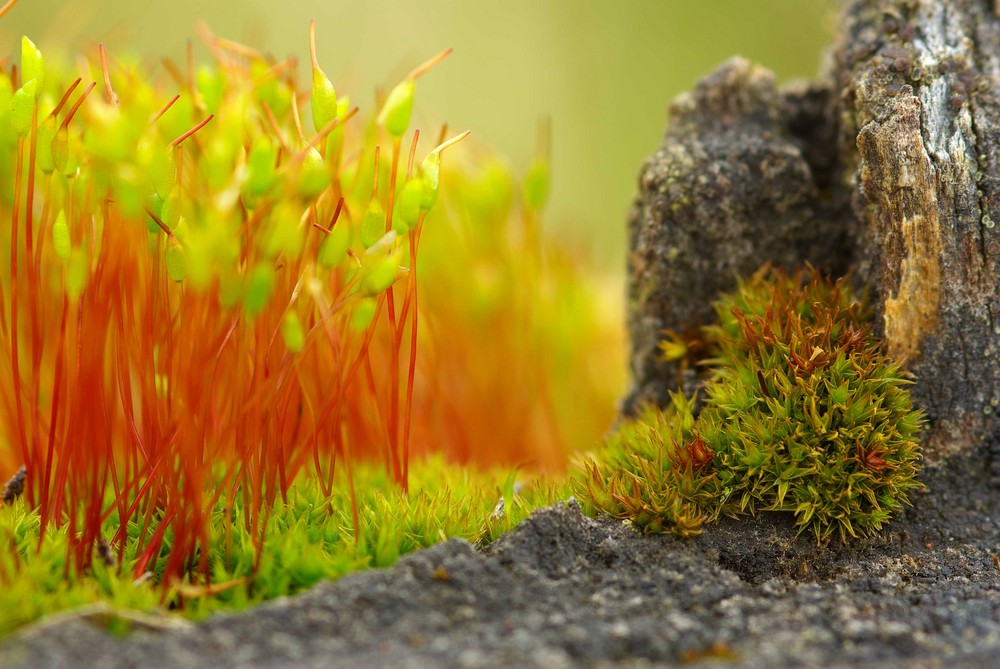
{"x": 7, "y": 7}
{"x": 201, "y": 291}
{"x": 190, "y": 373}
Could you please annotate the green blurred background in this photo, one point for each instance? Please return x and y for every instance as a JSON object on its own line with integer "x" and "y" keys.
{"x": 603, "y": 71}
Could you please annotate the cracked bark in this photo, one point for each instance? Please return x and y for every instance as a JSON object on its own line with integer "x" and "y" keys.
{"x": 887, "y": 167}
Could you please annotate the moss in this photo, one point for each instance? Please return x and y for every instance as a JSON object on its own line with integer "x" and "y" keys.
{"x": 302, "y": 540}
{"x": 213, "y": 335}
{"x": 653, "y": 473}
{"x": 801, "y": 413}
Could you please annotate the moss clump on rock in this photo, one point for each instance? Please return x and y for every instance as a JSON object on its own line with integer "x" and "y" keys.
{"x": 801, "y": 413}
{"x": 652, "y": 472}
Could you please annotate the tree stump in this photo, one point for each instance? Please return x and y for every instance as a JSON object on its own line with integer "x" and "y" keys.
{"x": 886, "y": 169}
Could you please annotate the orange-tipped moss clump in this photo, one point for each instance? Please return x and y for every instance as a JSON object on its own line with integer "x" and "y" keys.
{"x": 801, "y": 413}
{"x": 195, "y": 282}
{"x": 211, "y": 295}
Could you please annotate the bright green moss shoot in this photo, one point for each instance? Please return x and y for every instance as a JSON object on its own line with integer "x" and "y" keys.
{"x": 307, "y": 538}
{"x": 801, "y": 413}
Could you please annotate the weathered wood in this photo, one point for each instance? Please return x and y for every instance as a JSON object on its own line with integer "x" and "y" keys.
{"x": 919, "y": 85}
{"x": 898, "y": 149}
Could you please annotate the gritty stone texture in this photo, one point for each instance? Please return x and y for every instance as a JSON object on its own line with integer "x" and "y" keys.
{"x": 738, "y": 181}
{"x": 567, "y": 591}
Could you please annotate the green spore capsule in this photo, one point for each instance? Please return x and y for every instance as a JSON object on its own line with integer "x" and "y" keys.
{"x": 292, "y": 333}
{"x": 323, "y": 99}
{"x": 335, "y": 140}
{"x": 363, "y": 314}
{"x": 61, "y": 241}
{"x": 176, "y": 261}
{"x": 32, "y": 65}
{"x": 333, "y": 250}
{"x": 314, "y": 177}
{"x": 211, "y": 84}
{"x": 155, "y": 206}
{"x": 398, "y": 108}
{"x": 408, "y": 203}
{"x": 60, "y": 150}
{"x": 170, "y": 212}
{"x": 21, "y": 107}
{"x": 381, "y": 276}
{"x": 164, "y": 174}
{"x": 260, "y": 164}
{"x": 284, "y": 234}
{"x": 77, "y": 271}
{"x": 430, "y": 175}
{"x": 46, "y": 133}
{"x": 271, "y": 90}
{"x": 259, "y": 288}
{"x": 372, "y": 223}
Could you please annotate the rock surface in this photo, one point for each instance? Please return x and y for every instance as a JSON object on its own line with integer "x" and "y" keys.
{"x": 567, "y": 591}
{"x": 737, "y": 182}
{"x": 888, "y": 165}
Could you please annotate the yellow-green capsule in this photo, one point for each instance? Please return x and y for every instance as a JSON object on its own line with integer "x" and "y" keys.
{"x": 323, "y": 99}
{"x": 408, "y": 203}
{"x": 32, "y": 65}
{"x": 372, "y": 223}
{"x": 335, "y": 140}
{"x": 155, "y": 203}
{"x": 60, "y": 150}
{"x": 363, "y": 314}
{"x": 314, "y": 176}
{"x": 163, "y": 169}
{"x": 170, "y": 212}
{"x": 260, "y": 166}
{"x": 430, "y": 175}
{"x": 77, "y": 271}
{"x": 46, "y": 133}
{"x": 211, "y": 83}
{"x": 381, "y": 276}
{"x": 22, "y": 105}
{"x": 61, "y": 241}
{"x": 334, "y": 248}
{"x": 176, "y": 261}
{"x": 398, "y": 108}
{"x": 259, "y": 288}
{"x": 292, "y": 333}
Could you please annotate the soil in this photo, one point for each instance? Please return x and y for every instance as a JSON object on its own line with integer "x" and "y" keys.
{"x": 564, "y": 590}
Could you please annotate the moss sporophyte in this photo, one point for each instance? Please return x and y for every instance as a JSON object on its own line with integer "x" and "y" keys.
{"x": 210, "y": 361}
{"x": 800, "y": 413}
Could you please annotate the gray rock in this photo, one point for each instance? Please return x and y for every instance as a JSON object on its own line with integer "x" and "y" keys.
{"x": 564, "y": 590}
{"x": 739, "y": 181}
